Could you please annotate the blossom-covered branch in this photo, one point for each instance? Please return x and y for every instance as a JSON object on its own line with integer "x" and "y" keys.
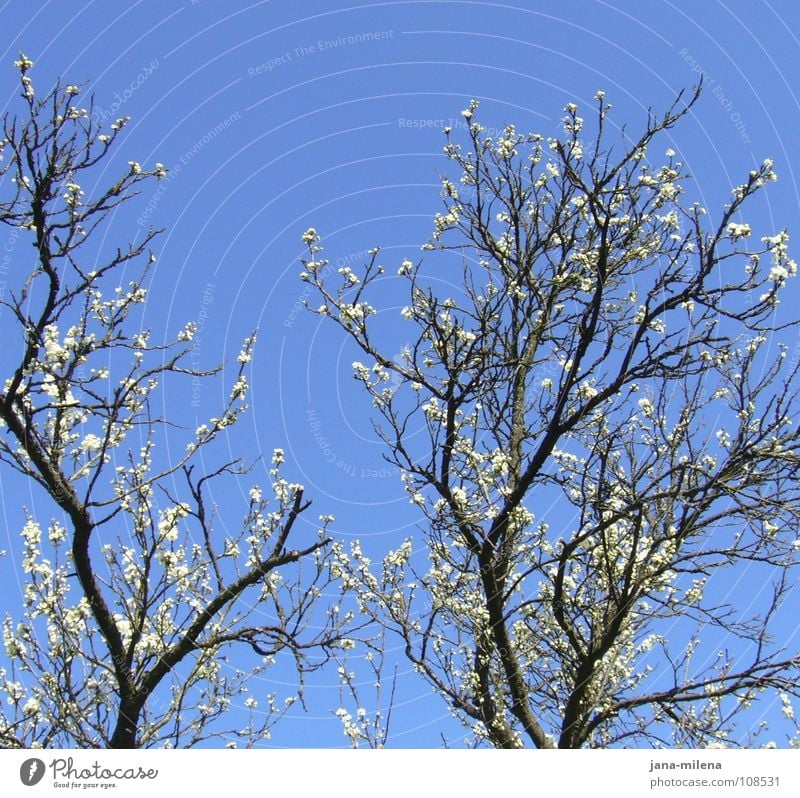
{"x": 133, "y": 596}
{"x": 607, "y": 441}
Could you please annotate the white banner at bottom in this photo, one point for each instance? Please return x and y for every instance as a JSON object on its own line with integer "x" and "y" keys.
{"x": 389, "y": 773}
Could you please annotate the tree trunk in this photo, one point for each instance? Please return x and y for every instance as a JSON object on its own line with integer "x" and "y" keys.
{"x": 127, "y": 727}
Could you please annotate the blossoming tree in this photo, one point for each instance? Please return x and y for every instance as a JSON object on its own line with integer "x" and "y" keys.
{"x": 596, "y": 426}
{"x": 132, "y": 598}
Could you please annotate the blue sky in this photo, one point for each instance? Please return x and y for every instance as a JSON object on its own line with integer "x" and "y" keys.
{"x": 277, "y": 116}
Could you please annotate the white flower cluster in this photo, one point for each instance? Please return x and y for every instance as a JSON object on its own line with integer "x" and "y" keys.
{"x": 782, "y": 266}
{"x": 168, "y": 524}
{"x": 738, "y": 230}
{"x": 356, "y": 314}
{"x": 444, "y": 222}
{"x": 467, "y": 113}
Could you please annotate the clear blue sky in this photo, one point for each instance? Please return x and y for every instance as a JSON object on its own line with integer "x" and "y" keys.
{"x": 276, "y": 116}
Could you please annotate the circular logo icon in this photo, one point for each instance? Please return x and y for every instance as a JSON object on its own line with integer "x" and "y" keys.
{"x": 31, "y": 771}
